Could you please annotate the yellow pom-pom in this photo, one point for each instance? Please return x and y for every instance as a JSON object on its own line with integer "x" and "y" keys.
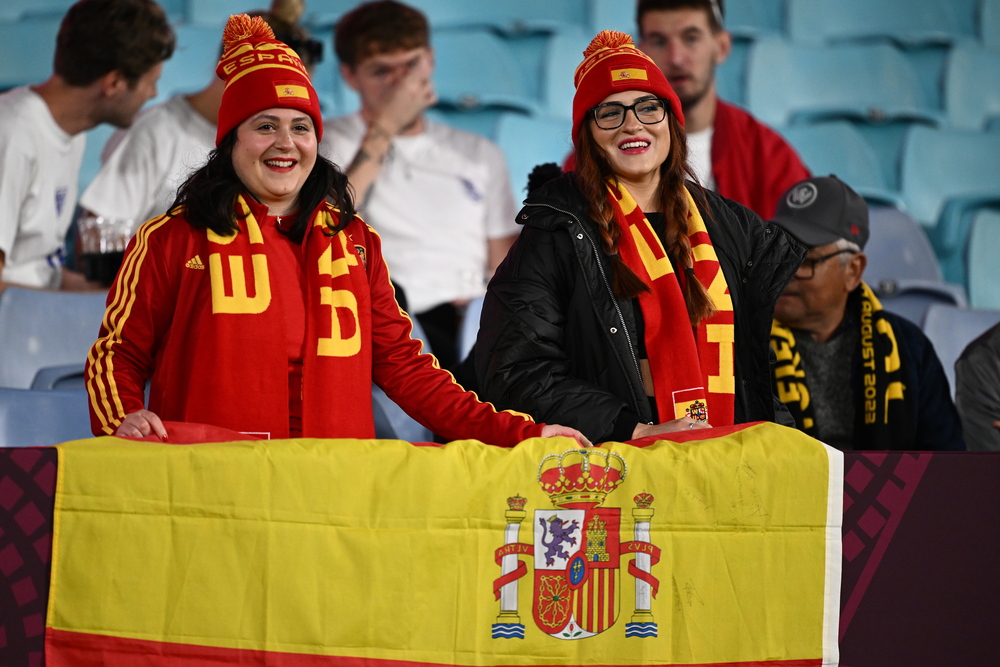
{"x": 241, "y": 27}
{"x": 608, "y": 39}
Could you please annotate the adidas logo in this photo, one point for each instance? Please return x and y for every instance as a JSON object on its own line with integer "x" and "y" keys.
{"x": 195, "y": 263}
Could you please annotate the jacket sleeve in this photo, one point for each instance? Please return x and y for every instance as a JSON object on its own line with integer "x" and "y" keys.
{"x": 139, "y": 310}
{"x": 521, "y": 358}
{"x": 418, "y": 384}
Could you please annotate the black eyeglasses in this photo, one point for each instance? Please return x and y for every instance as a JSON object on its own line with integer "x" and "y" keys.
{"x": 611, "y": 115}
{"x": 808, "y": 268}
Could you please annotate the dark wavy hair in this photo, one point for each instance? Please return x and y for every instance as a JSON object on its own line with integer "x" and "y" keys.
{"x": 210, "y": 193}
{"x": 593, "y": 169}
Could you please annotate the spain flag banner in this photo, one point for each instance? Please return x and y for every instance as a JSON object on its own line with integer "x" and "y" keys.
{"x": 720, "y": 551}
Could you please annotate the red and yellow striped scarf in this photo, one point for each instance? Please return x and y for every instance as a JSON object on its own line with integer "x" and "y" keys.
{"x": 692, "y": 367}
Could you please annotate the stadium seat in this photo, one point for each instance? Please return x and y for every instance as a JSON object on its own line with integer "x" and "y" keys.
{"x": 951, "y": 329}
{"x": 911, "y": 298}
{"x": 26, "y": 50}
{"x": 945, "y": 176}
{"x": 972, "y": 87}
{"x": 611, "y": 15}
{"x": 324, "y": 14}
{"x": 475, "y": 69}
{"x": 509, "y": 16}
{"x": 16, "y": 10}
{"x": 192, "y": 66}
{"x": 755, "y": 18}
{"x": 983, "y": 267}
{"x": 907, "y": 22}
{"x": 42, "y": 418}
{"x": 563, "y": 53}
{"x": 989, "y": 23}
{"x": 837, "y": 147}
{"x": 470, "y": 327}
{"x": 788, "y": 83}
{"x": 528, "y": 141}
{"x": 730, "y": 76}
{"x": 391, "y": 422}
{"x": 217, "y": 12}
{"x": 898, "y": 249}
{"x": 39, "y": 329}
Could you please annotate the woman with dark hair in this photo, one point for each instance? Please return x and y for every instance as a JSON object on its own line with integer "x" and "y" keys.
{"x": 634, "y": 302}
{"x": 260, "y": 303}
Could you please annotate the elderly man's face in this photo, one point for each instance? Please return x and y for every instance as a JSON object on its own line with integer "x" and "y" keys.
{"x": 815, "y": 298}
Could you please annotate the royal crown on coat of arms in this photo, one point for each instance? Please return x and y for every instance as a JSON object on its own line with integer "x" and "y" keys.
{"x": 577, "y": 551}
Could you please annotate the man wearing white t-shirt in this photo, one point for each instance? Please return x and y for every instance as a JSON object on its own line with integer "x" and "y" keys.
{"x": 109, "y": 54}
{"x": 439, "y": 197}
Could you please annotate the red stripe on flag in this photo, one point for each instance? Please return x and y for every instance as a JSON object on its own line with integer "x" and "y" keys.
{"x": 612, "y": 584}
{"x": 600, "y": 601}
{"x": 78, "y": 649}
{"x": 590, "y": 601}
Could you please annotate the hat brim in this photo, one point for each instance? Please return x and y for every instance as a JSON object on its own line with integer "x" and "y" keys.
{"x": 808, "y": 235}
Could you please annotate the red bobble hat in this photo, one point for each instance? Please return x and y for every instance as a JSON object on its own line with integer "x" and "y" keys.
{"x": 261, "y": 73}
{"x": 612, "y": 64}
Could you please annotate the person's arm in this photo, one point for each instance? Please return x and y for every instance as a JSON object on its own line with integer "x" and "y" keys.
{"x": 411, "y": 97}
{"x": 425, "y": 391}
{"x": 977, "y": 397}
{"x": 141, "y": 304}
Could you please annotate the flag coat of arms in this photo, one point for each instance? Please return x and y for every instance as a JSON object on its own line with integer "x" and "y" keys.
{"x": 380, "y": 554}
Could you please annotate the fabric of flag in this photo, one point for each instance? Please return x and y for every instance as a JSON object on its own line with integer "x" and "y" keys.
{"x": 380, "y": 554}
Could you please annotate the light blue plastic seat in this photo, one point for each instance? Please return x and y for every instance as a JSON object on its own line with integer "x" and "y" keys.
{"x": 391, "y": 422}
{"x": 528, "y": 141}
{"x": 972, "y": 87}
{"x": 474, "y": 69}
{"x": 26, "y": 50}
{"x": 982, "y": 256}
{"x": 946, "y": 176}
{"x": 755, "y": 18}
{"x": 39, "y": 329}
{"x": 612, "y": 15}
{"x": 217, "y": 12}
{"x": 470, "y": 327}
{"x": 906, "y": 22}
{"x": 898, "y": 249}
{"x": 15, "y": 10}
{"x": 912, "y": 298}
{"x": 31, "y": 418}
{"x": 989, "y": 23}
{"x": 510, "y": 16}
{"x": 951, "y": 329}
{"x": 789, "y": 82}
{"x": 837, "y": 147}
{"x": 563, "y": 53}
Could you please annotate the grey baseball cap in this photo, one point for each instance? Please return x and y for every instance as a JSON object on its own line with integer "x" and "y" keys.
{"x": 821, "y": 210}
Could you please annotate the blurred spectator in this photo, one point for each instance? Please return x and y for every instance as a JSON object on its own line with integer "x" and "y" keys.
{"x": 109, "y": 54}
{"x": 977, "y": 391}
{"x": 853, "y": 375}
{"x": 147, "y": 163}
{"x": 440, "y": 198}
{"x": 728, "y": 149}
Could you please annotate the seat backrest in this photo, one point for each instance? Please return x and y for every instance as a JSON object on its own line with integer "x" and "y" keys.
{"x": 972, "y": 86}
{"x": 912, "y": 298}
{"x": 40, "y": 329}
{"x": 26, "y": 49}
{"x": 989, "y": 23}
{"x": 528, "y": 141}
{"x": 755, "y": 18}
{"x": 470, "y": 327}
{"x": 563, "y": 53}
{"x": 904, "y": 21}
{"x": 938, "y": 164}
{"x": 836, "y": 147}
{"x": 475, "y": 68}
{"x": 984, "y": 276}
{"x": 787, "y": 82}
{"x": 40, "y": 418}
{"x": 951, "y": 329}
{"x": 898, "y": 248}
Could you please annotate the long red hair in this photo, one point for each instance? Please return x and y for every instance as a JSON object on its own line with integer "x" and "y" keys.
{"x": 593, "y": 169}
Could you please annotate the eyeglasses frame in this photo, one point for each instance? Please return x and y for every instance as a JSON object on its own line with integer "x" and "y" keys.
{"x": 625, "y": 108}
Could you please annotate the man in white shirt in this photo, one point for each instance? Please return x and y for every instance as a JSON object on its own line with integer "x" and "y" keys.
{"x": 109, "y": 54}
{"x": 439, "y": 197}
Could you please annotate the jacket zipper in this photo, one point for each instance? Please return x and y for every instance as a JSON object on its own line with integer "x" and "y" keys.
{"x": 607, "y": 285}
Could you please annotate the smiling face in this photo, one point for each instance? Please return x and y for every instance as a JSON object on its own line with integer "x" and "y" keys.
{"x": 682, "y": 44}
{"x": 634, "y": 150}
{"x": 274, "y": 154}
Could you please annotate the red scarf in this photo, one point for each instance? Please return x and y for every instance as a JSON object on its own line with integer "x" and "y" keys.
{"x": 692, "y": 367}
{"x": 337, "y": 328}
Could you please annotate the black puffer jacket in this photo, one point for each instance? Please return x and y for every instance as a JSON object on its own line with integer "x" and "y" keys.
{"x": 555, "y": 341}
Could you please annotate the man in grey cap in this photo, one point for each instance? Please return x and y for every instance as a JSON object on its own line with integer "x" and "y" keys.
{"x": 852, "y": 374}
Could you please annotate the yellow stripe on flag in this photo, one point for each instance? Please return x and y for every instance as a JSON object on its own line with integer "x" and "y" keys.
{"x": 379, "y": 550}
{"x": 291, "y": 90}
{"x": 629, "y": 74}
